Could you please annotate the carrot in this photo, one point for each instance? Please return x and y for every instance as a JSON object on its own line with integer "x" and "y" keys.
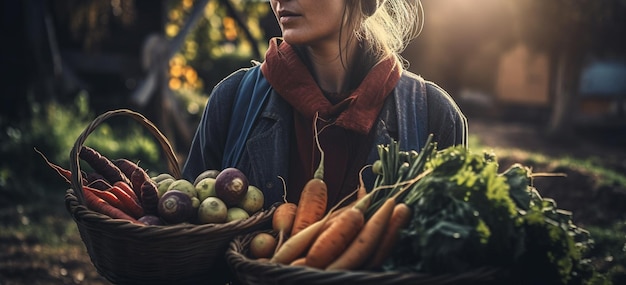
{"x": 130, "y": 205}
{"x": 283, "y": 217}
{"x": 149, "y": 197}
{"x": 126, "y": 166}
{"x": 297, "y": 244}
{"x": 313, "y": 198}
{"x": 93, "y": 176}
{"x": 137, "y": 178}
{"x": 299, "y": 262}
{"x": 362, "y": 190}
{"x": 106, "y": 196}
{"x": 129, "y": 190}
{"x": 332, "y": 242}
{"x": 133, "y": 172}
{"x": 367, "y": 239}
{"x": 102, "y": 165}
{"x": 99, "y": 205}
{"x": 399, "y": 220}
{"x": 99, "y": 184}
{"x": 66, "y": 174}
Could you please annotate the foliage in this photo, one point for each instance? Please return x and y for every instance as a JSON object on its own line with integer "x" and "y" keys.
{"x": 466, "y": 216}
{"x": 215, "y": 48}
{"x": 53, "y": 130}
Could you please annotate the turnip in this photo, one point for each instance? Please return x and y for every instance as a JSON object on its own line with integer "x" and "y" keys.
{"x": 211, "y": 173}
{"x": 163, "y": 185}
{"x": 262, "y": 245}
{"x": 231, "y": 185}
{"x": 212, "y": 210}
{"x": 253, "y": 201}
{"x": 234, "y": 214}
{"x": 205, "y": 188}
{"x": 175, "y": 207}
{"x": 183, "y": 186}
{"x": 151, "y": 220}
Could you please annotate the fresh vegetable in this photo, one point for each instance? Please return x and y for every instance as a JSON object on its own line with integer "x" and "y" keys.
{"x": 137, "y": 178}
{"x": 253, "y": 201}
{"x": 367, "y": 239}
{"x": 212, "y": 210}
{"x": 97, "y": 204}
{"x": 231, "y": 186}
{"x": 162, "y": 176}
{"x": 107, "y": 196}
{"x": 183, "y": 186}
{"x": 149, "y": 197}
{"x": 282, "y": 221}
{"x": 64, "y": 173}
{"x": 466, "y": 215}
{"x": 102, "y": 165}
{"x": 210, "y": 173}
{"x": 152, "y": 220}
{"x": 313, "y": 198}
{"x": 299, "y": 262}
{"x": 297, "y": 244}
{"x": 164, "y": 185}
{"x": 130, "y": 204}
{"x": 128, "y": 190}
{"x": 332, "y": 241}
{"x": 262, "y": 245}
{"x": 235, "y": 214}
{"x": 399, "y": 220}
{"x": 99, "y": 184}
{"x": 129, "y": 168}
{"x": 205, "y": 188}
{"x": 175, "y": 207}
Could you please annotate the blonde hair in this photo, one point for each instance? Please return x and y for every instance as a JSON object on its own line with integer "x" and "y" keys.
{"x": 389, "y": 29}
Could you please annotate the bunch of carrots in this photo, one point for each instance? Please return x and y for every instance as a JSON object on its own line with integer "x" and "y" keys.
{"x": 357, "y": 236}
{"x": 118, "y": 188}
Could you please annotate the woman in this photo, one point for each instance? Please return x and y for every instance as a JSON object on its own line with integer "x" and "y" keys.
{"x": 339, "y": 60}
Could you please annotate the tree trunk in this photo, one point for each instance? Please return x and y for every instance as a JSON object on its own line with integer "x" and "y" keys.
{"x": 565, "y": 76}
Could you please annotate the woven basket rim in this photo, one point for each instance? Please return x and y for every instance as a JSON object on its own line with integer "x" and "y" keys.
{"x": 274, "y": 273}
{"x": 83, "y": 213}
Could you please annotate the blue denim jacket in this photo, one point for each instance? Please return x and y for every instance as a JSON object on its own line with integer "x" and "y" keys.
{"x": 415, "y": 109}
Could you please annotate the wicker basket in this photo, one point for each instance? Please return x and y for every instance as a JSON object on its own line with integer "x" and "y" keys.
{"x": 253, "y": 272}
{"x": 128, "y": 253}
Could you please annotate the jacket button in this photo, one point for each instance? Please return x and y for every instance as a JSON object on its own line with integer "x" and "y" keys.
{"x": 269, "y": 185}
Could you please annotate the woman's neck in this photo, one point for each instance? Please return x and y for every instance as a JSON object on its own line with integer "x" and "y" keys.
{"x": 330, "y": 66}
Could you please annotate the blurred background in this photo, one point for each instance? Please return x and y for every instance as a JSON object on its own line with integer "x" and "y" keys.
{"x": 542, "y": 83}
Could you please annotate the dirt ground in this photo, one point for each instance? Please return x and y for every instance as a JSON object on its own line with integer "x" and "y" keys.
{"x": 25, "y": 258}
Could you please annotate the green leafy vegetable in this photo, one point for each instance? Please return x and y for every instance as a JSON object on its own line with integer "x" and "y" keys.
{"x": 466, "y": 216}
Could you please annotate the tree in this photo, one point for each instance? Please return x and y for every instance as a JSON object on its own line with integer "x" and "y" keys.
{"x": 568, "y": 31}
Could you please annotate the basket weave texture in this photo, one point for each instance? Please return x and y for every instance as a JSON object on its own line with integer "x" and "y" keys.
{"x": 253, "y": 272}
{"x": 128, "y": 253}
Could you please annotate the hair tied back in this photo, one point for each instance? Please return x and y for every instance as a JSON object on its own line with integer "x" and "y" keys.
{"x": 369, "y": 7}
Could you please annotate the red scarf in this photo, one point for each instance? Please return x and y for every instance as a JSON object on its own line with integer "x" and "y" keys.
{"x": 291, "y": 79}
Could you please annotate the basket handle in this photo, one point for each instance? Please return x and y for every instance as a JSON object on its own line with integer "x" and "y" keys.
{"x": 77, "y": 179}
